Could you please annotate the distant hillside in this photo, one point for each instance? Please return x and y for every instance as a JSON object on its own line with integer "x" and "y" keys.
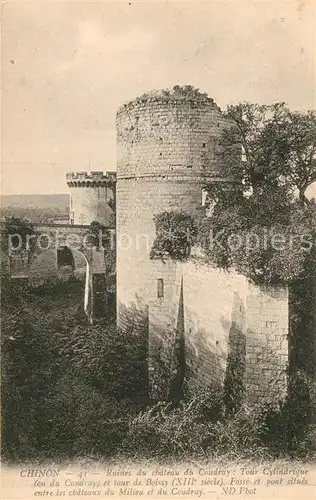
{"x": 35, "y": 207}
{"x": 57, "y": 201}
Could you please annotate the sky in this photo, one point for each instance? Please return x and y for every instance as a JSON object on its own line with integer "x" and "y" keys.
{"x": 68, "y": 66}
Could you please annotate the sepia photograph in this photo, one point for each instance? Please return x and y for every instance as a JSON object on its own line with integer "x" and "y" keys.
{"x": 158, "y": 249}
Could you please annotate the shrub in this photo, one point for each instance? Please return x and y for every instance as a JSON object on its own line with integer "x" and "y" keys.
{"x": 108, "y": 359}
{"x": 70, "y": 389}
{"x": 164, "y": 430}
{"x": 79, "y": 420}
{"x": 175, "y": 233}
{"x": 67, "y": 388}
{"x": 196, "y": 428}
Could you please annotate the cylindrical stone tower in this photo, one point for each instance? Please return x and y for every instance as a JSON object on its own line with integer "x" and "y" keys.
{"x": 165, "y": 155}
{"x": 92, "y": 195}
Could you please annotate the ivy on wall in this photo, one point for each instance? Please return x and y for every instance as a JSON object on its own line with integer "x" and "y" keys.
{"x": 175, "y": 235}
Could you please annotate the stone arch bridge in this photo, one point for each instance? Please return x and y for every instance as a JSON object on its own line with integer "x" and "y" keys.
{"x": 52, "y": 247}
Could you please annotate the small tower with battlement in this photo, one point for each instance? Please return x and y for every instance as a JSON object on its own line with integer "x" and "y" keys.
{"x": 92, "y": 197}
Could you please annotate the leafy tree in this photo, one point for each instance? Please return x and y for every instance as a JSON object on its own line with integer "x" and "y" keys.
{"x": 267, "y": 227}
{"x": 21, "y": 232}
{"x": 296, "y": 134}
{"x": 278, "y": 148}
{"x": 100, "y": 237}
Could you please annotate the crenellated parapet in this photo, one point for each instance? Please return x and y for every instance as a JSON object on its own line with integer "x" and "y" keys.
{"x": 91, "y": 179}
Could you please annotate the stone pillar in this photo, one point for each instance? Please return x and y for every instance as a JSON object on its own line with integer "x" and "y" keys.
{"x": 95, "y": 298}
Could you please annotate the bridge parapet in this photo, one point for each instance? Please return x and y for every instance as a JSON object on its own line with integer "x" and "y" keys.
{"x": 58, "y": 234}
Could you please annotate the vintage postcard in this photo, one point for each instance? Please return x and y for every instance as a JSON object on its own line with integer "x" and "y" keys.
{"x": 158, "y": 249}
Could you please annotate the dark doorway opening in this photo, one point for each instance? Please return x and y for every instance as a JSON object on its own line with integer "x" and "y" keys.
{"x": 65, "y": 258}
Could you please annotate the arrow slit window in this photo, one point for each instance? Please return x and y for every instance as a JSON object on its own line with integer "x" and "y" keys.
{"x": 160, "y": 288}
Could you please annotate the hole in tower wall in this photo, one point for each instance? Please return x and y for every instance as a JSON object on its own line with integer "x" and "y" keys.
{"x": 176, "y": 166}
{"x": 160, "y": 288}
{"x": 65, "y": 257}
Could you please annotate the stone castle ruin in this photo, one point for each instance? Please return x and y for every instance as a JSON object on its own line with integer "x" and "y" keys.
{"x": 206, "y": 317}
{"x": 204, "y": 323}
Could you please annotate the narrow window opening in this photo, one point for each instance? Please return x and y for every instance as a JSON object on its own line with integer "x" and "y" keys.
{"x": 160, "y": 288}
{"x": 204, "y": 145}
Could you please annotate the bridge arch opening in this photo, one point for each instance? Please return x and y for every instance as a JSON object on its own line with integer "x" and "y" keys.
{"x": 57, "y": 264}
{"x": 65, "y": 258}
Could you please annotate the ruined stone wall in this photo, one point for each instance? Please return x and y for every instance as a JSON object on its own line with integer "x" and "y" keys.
{"x": 165, "y": 154}
{"x": 214, "y": 308}
{"x": 226, "y": 321}
{"x": 267, "y": 349}
{"x": 163, "y": 310}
